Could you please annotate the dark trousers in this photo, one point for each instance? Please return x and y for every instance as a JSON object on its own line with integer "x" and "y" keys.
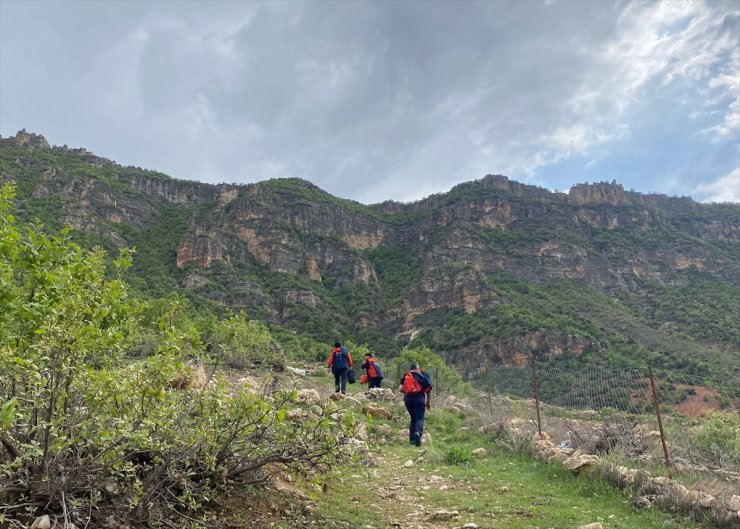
{"x": 373, "y": 382}
{"x": 340, "y": 375}
{"x": 416, "y": 407}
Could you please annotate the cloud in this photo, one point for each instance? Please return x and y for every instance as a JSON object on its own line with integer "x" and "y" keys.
{"x": 378, "y": 100}
{"x": 724, "y": 189}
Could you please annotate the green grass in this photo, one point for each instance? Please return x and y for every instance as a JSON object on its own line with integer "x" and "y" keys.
{"x": 504, "y": 490}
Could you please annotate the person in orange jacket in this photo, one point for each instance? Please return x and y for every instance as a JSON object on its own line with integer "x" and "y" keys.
{"x": 416, "y": 386}
{"x": 340, "y": 361}
{"x": 374, "y": 374}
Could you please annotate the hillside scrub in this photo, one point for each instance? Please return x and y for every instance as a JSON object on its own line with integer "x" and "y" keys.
{"x": 88, "y": 434}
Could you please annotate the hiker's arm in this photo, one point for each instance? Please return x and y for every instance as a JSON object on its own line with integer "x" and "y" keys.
{"x": 429, "y": 399}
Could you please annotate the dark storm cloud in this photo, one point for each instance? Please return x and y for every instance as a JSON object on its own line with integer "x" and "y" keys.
{"x": 382, "y": 100}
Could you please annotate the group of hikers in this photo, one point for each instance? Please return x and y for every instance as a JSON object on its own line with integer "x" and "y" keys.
{"x": 415, "y": 385}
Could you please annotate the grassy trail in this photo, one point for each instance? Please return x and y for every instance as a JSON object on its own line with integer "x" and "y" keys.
{"x": 503, "y": 490}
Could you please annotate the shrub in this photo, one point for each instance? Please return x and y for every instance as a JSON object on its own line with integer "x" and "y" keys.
{"x": 458, "y": 455}
{"x": 81, "y": 428}
{"x": 720, "y": 433}
{"x": 448, "y": 381}
{"x": 241, "y": 343}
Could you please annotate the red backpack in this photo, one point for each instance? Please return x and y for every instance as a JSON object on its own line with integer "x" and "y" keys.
{"x": 411, "y": 386}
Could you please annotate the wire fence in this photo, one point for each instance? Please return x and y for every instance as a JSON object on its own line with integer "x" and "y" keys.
{"x": 625, "y": 416}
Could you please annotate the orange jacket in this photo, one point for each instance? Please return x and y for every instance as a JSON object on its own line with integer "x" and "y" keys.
{"x": 337, "y": 350}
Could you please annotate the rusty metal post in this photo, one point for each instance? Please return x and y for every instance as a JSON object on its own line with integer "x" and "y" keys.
{"x": 536, "y": 391}
{"x": 660, "y": 421}
{"x": 490, "y": 382}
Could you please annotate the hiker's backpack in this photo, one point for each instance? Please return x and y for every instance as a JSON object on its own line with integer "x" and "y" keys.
{"x": 340, "y": 360}
{"x": 378, "y": 372}
{"x": 411, "y": 384}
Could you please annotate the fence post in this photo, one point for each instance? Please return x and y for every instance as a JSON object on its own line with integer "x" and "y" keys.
{"x": 490, "y": 379}
{"x": 660, "y": 420}
{"x": 536, "y": 391}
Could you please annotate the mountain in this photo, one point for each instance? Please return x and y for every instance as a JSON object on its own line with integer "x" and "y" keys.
{"x": 492, "y": 272}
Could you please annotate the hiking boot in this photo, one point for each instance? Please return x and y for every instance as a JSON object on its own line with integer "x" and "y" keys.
{"x": 417, "y": 439}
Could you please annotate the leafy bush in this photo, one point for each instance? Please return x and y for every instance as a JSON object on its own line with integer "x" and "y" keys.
{"x": 458, "y": 455}
{"x": 245, "y": 343}
{"x": 447, "y": 379}
{"x": 720, "y": 433}
{"x": 85, "y": 433}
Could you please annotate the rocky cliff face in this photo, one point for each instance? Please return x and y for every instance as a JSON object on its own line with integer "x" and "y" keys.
{"x": 285, "y": 249}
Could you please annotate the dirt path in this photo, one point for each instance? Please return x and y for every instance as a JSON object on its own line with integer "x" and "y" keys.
{"x": 400, "y": 492}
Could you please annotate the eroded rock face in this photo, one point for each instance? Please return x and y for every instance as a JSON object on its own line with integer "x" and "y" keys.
{"x": 29, "y": 139}
{"x": 232, "y": 244}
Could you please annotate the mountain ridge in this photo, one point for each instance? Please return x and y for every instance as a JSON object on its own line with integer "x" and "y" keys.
{"x": 477, "y": 273}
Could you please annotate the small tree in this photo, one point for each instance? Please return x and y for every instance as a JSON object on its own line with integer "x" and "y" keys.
{"x": 245, "y": 343}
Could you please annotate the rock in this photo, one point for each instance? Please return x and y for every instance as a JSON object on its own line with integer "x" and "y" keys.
{"x": 426, "y": 437}
{"x": 462, "y": 430}
{"x": 443, "y": 515}
{"x": 42, "y": 522}
{"x": 309, "y": 396}
{"x": 644, "y": 502}
{"x": 193, "y": 376}
{"x": 470, "y": 525}
{"x": 337, "y": 396}
{"x": 557, "y": 457}
{"x": 578, "y": 461}
{"x": 504, "y": 489}
{"x": 480, "y": 452}
{"x": 198, "y": 377}
{"x": 353, "y": 401}
{"x": 380, "y": 394}
{"x": 296, "y": 370}
{"x": 595, "y": 525}
{"x": 408, "y": 463}
{"x": 361, "y": 432}
{"x": 491, "y": 428}
{"x": 384, "y": 429}
{"x": 378, "y": 413}
{"x": 734, "y": 503}
{"x": 544, "y": 436}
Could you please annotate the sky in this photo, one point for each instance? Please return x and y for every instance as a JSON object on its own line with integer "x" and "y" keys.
{"x": 377, "y": 100}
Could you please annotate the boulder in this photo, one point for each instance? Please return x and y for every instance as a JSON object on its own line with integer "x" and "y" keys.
{"x": 309, "y": 396}
{"x": 490, "y": 428}
{"x": 578, "y": 461}
{"x": 384, "y": 429}
{"x": 595, "y": 525}
{"x": 297, "y": 371}
{"x": 380, "y": 394}
{"x": 480, "y": 452}
{"x": 444, "y": 515}
{"x": 42, "y": 522}
{"x": 378, "y": 413}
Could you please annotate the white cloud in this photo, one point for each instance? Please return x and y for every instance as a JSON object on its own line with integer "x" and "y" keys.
{"x": 723, "y": 189}
{"x": 373, "y": 100}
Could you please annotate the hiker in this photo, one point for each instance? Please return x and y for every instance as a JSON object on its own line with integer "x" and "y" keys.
{"x": 374, "y": 374}
{"x": 416, "y": 386}
{"x": 340, "y": 362}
